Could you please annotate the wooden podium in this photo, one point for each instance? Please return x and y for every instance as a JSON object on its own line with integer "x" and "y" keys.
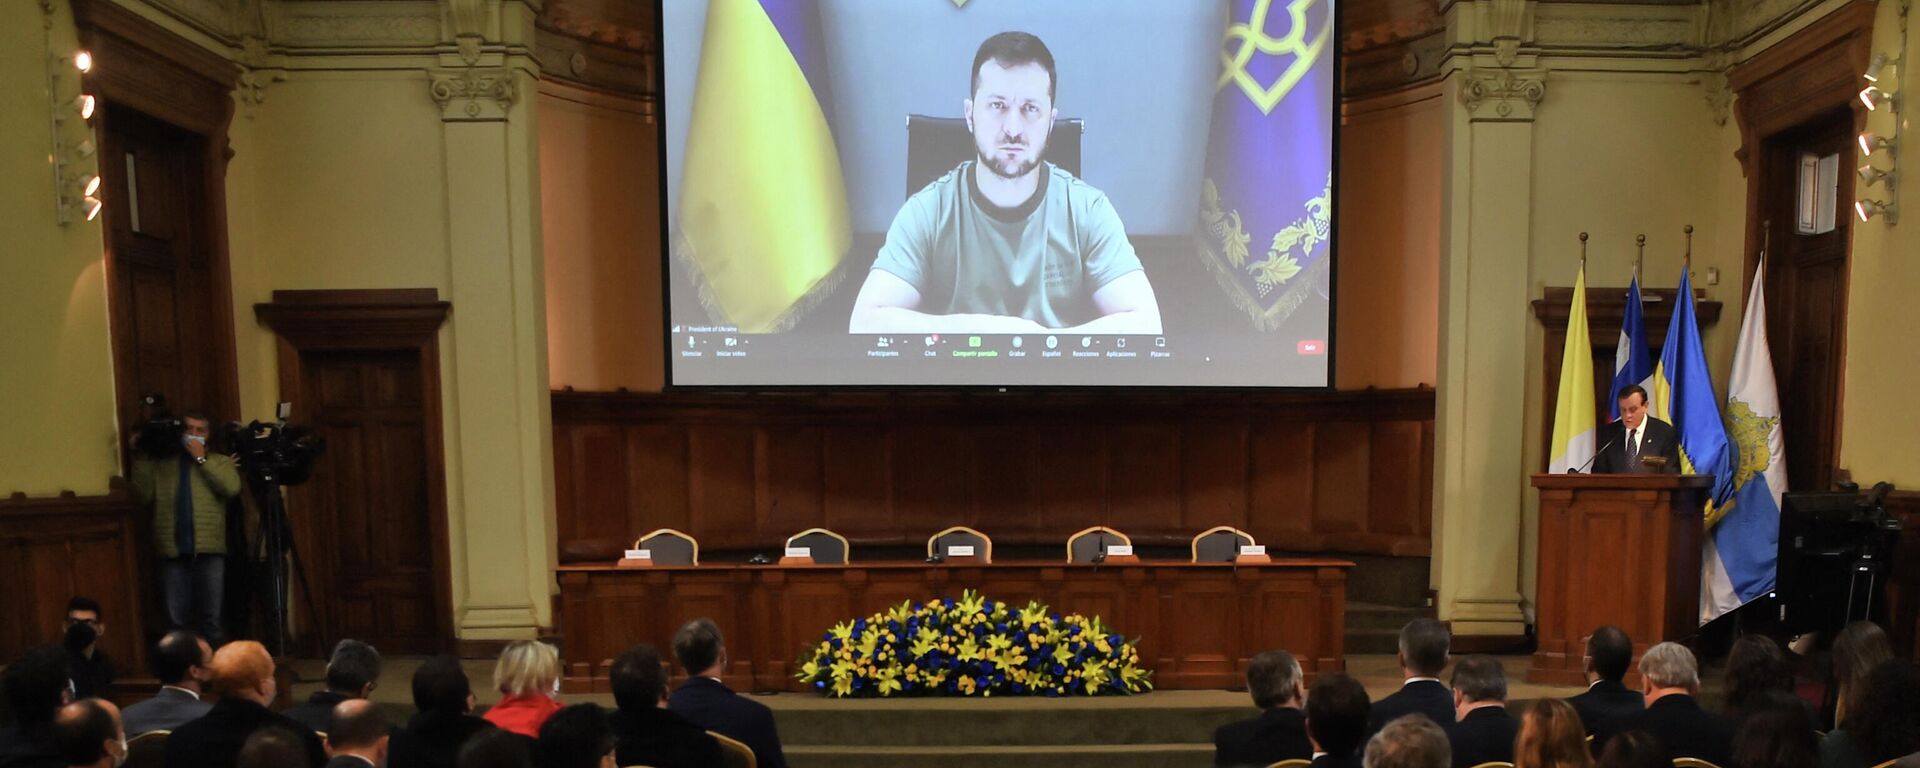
{"x": 1615, "y": 549}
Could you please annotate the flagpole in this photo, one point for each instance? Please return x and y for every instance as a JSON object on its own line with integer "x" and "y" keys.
{"x": 1583, "y": 252}
{"x": 1687, "y": 260}
{"x": 1640, "y": 260}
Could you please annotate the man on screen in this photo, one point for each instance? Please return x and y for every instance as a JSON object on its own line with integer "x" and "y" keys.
{"x": 1626, "y": 443}
{"x": 1007, "y": 243}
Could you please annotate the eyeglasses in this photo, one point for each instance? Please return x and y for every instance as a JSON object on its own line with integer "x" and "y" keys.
{"x": 95, "y": 623}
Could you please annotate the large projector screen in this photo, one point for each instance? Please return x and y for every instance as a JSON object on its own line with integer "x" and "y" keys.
{"x": 999, "y": 192}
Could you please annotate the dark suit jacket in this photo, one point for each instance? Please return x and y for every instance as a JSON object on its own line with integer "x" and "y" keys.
{"x": 433, "y": 740}
{"x": 29, "y": 747}
{"x": 661, "y": 739}
{"x": 1485, "y": 735}
{"x": 1350, "y": 761}
{"x": 90, "y": 676}
{"x": 1660, "y": 440}
{"x": 1427, "y": 697}
{"x": 1604, "y": 706}
{"x": 316, "y": 713}
{"x": 710, "y": 704}
{"x": 214, "y": 740}
{"x": 348, "y": 761}
{"x": 1685, "y": 729}
{"x": 167, "y": 710}
{"x": 1277, "y": 734}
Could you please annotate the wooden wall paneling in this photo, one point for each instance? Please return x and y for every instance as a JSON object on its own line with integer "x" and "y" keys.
{"x": 1214, "y": 465}
{"x": 1003, "y": 482}
{"x": 789, "y": 475}
{"x": 53, "y": 549}
{"x": 1071, "y": 479}
{"x": 933, "y": 480}
{"x": 720, "y": 486}
{"x": 657, "y": 465}
{"x": 1394, "y": 476}
{"x": 1342, "y": 478}
{"x": 1283, "y": 476}
{"x": 1145, "y": 483}
{"x": 857, "y": 477}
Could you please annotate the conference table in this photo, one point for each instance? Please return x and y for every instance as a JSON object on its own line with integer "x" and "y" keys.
{"x": 1197, "y": 624}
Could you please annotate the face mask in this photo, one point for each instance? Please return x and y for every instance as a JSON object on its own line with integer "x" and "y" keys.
{"x": 201, "y": 439}
{"x": 79, "y": 636}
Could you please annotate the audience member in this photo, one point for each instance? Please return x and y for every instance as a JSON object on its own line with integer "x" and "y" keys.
{"x": 36, "y": 686}
{"x": 88, "y": 665}
{"x": 181, "y": 661}
{"x": 1670, "y": 678}
{"x": 528, "y": 678}
{"x": 1859, "y": 648}
{"x": 1337, "y": 710}
{"x": 356, "y": 735}
{"x": 1777, "y": 733}
{"x": 1633, "y": 749}
{"x": 1423, "y": 656}
{"x": 1883, "y": 720}
{"x": 89, "y": 735}
{"x": 576, "y": 737}
{"x": 433, "y": 738}
{"x": 496, "y": 748}
{"x": 275, "y": 746}
{"x": 1551, "y": 736}
{"x": 1412, "y": 741}
{"x": 1756, "y": 667}
{"x": 1280, "y": 732}
{"x": 243, "y": 681}
{"x": 1482, "y": 731}
{"x": 710, "y": 704}
{"x": 648, "y": 733}
{"x": 187, "y": 494}
{"x": 1607, "y": 702}
{"x": 352, "y": 672}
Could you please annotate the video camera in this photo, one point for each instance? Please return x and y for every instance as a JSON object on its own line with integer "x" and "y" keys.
{"x": 276, "y": 453}
{"x": 160, "y": 435}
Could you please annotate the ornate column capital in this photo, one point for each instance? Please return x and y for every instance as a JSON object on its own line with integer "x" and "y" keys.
{"x": 1502, "y": 94}
{"x": 473, "y": 94}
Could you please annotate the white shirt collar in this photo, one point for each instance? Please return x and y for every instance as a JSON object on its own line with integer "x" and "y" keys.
{"x": 1412, "y": 680}
{"x": 196, "y": 696}
{"x": 358, "y": 757}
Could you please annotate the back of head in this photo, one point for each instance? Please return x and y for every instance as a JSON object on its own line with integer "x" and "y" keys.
{"x": 697, "y": 645}
{"x": 1755, "y": 667}
{"x": 527, "y": 667}
{"x": 273, "y": 747}
{"x": 36, "y": 684}
{"x": 240, "y": 667}
{"x": 575, "y": 737}
{"x": 1887, "y": 720}
{"x": 637, "y": 678}
{"x": 1409, "y": 742}
{"x": 356, "y": 724}
{"x": 1551, "y": 736}
{"x": 1423, "y": 646}
{"x": 1337, "y": 711}
{"x": 440, "y": 685}
{"x": 175, "y": 656}
{"x": 1274, "y": 679}
{"x": 353, "y": 666}
{"x": 1634, "y": 749}
{"x": 1858, "y": 648}
{"x": 1671, "y": 665}
{"x": 1778, "y": 733}
{"x": 496, "y": 748}
{"x": 1611, "y": 651}
{"x": 1480, "y": 678}
{"x": 82, "y": 729}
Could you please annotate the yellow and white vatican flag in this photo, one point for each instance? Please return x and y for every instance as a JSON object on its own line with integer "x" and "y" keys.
{"x": 1573, "y": 412}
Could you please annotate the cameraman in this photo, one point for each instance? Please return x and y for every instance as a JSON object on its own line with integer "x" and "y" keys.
{"x": 188, "y": 491}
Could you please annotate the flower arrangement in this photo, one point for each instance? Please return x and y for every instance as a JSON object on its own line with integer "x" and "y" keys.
{"x": 973, "y": 647}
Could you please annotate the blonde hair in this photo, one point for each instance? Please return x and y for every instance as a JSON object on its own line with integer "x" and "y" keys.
{"x": 1551, "y": 736}
{"x": 527, "y": 667}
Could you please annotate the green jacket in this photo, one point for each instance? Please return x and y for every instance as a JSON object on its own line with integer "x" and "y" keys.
{"x": 155, "y": 481}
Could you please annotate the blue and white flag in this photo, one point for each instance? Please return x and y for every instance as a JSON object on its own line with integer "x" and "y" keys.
{"x": 1632, "y": 360}
{"x": 1738, "y": 563}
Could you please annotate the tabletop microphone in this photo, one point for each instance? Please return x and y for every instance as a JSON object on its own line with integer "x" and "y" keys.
{"x": 1595, "y": 457}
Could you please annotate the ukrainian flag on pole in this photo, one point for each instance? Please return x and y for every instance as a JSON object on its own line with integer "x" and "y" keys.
{"x": 1573, "y": 428}
{"x": 1739, "y": 562}
{"x": 763, "y": 209}
{"x": 1683, "y": 396}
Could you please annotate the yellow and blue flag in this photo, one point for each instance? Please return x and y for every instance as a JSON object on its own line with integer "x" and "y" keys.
{"x": 1683, "y": 396}
{"x": 764, "y": 225}
{"x": 1266, "y": 205}
{"x": 1740, "y": 561}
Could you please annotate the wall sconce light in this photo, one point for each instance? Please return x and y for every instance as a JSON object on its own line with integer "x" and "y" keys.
{"x": 84, "y": 105}
{"x": 1873, "y": 142}
{"x": 1867, "y": 209}
{"x": 83, "y": 61}
{"x": 1873, "y": 96}
{"x": 1883, "y": 65}
{"x": 76, "y": 190}
{"x": 1870, "y": 175}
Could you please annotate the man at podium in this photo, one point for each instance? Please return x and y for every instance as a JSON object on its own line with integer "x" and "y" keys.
{"x": 1627, "y": 444}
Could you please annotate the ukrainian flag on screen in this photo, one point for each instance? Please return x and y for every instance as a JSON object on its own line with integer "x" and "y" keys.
{"x": 763, "y": 223}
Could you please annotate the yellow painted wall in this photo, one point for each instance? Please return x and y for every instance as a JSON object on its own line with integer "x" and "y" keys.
{"x": 1387, "y": 324}
{"x": 56, "y": 382}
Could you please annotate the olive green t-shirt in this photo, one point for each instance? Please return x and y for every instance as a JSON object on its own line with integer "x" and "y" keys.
{"x": 1042, "y": 261}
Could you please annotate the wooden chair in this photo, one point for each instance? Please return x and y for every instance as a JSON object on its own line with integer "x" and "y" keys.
{"x": 828, "y": 548}
{"x": 962, "y": 536}
{"x": 733, "y": 754}
{"x": 1220, "y": 544}
{"x": 1495, "y": 764}
{"x": 1692, "y": 762}
{"x": 1292, "y": 763}
{"x": 1888, "y": 764}
{"x": 147, "y": 750}
{"x": 1082, "y": 547}
{"x": 670, "y": 547}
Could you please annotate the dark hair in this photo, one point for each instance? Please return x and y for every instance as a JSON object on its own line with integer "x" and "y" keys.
{"x": 575, "y": 737}
{"x": 177, "y": 653}
{"x": 496, "y": 748}
{"x": 697, "y": 645}
{"x": 1778, "y": 733}
{"x": 1012, "y": 49}
{"x": 360, "y": 726}
{"x": 1273, "y": 677}
{"x": 197, "y": 414}
{"x": 1551, "y": 736}
{"x": 1480, "y": 678}
{"x": 354, "y": 664}
{"x": 1755, "y": 667}
{"x": 1887, "y": 723}
{"x": 1612, "y": 652}
{"x": 34, "y": 683}
{"x": 1423, "y": 646}
{"x": 638, "y": 679}
{"x": 440, "y": 685}
{"x": 86, "y": 604}
{"x": 1633, "y": 749}
{"x": 1337, "y": 711}
{"x": 273, "y": 747}
{"x": 1858, "y": 648}
{"x": 82, "y": 731}
{"x": 1630, "y": 390}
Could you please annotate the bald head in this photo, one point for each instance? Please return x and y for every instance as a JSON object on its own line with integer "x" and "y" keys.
{"x": 244, "y": 670}
{"x": 88, "y": 733}
{"x": 358, "y": 729}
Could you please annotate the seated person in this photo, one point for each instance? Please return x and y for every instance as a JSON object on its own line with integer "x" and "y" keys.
{"x": 275, "y": 747}
{"x": 1482, "y": 731}
{"x": 181, "y": 660}
{"x": 576, "y": 737}
{"x": 243, "y": 681}
{"x": 1607, "y": 701}
{"x": 352, "y": 671}
{"x": 1669, "y": 677}
{"x": 528, "y": 678}
{"x": 88, "y": 664}
{"x": 444, "y": 723}
{"x": 1409, "y": 741}
{"x": 1007, "y": 243}
{"x": 36, "y": 688}
{"x": 1423, "y": 656}
{"x": 495, "y": 748}
{"x": 1280, "y": 732}
{"x": 648, "y": 732}
{"x": 1551, "y": 736}
{"x": 88, "y": 733}
{"x": 357, "y": 735}
{"x": 1337, "y": 710}
{"x": 710, "y": 704}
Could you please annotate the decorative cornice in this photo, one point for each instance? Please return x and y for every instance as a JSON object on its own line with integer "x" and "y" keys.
{"x": 474, "y": 94}
{"x": 1387, "y": 68}
{"x": 1503, "y": 94}
{"x": 1614, "y": 26}
{"x": 309, "y": 24}
{"x": 595, "y": 66}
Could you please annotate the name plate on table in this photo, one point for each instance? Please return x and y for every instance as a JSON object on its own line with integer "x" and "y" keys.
{"x": 1119, "y": 550}
{"x": 960, "y": 550}
{"x": 797, "y": 556}
{"x": 799, "y": 552}
{"x": 637, "y": 558}
{"x": 1253, "y": 553}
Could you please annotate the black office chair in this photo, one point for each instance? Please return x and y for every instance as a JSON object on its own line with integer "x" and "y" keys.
{"x": 936, "y": 145}
{"x": 825, "y": 547}
{"x": 1220, "y": 544}
{"x": 670, "y": 547}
